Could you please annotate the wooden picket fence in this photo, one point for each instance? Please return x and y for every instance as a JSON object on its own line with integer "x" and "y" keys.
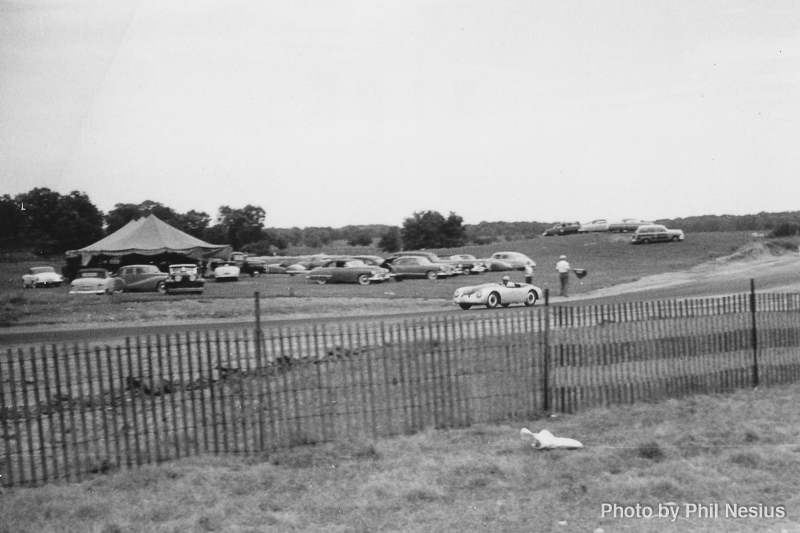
{"x": 70, "y": 411}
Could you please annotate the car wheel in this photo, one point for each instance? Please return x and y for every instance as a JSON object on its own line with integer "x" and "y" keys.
{"x": 675, "y": 239}
{"x": 645, "y": 241}
{"x": 465, "y": 306}
{"x": 505, "y": 305}
{"x": 493, "y": 300}
{"x": 431, "y": 274}
{"x": 321, "y": 282}
{"x": 56, "y": 284}
{"x": 363, "y": 279}
{"x": 530, "y": 299}
{"x": 110, "y": 291}
{"x": 26, "y": 286}
{"x": 161, "y": 288}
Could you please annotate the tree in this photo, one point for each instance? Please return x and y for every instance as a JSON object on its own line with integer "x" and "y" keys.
{"x": 359, "y": 238}
{"x": 195, "y": 223}
{"x": 242, "y": 226}
{"x": 429, "y": 229}
{"x": 390, "y": 240}
{"x": 121, "y": 215}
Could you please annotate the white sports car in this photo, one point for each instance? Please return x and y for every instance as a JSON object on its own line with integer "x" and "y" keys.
{"x": 42, "y": 276}
{"x": 493, "y": 294}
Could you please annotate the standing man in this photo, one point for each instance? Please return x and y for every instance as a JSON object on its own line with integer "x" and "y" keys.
{"x": 563, "y": 273}
{"x": 528, "y": 274}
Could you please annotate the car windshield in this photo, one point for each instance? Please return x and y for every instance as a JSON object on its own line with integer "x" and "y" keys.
{"x": 41, "y": 270}
{"x": 355, "y": 263}
{"x": 92, "y": 274}
{"x": 183, "y": 269}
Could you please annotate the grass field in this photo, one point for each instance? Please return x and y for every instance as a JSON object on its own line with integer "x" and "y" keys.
{"x": 740, "y": 449}
{"x": 610, "y": 259}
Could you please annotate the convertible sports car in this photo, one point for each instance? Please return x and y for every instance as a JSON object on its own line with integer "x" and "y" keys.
{"x": 42, "y": 276}
{"x": 93, "y": 281}
{"x": 348, "y": 271}
{"x": 493, "y": 294}
{"x": 227, "y": 271}
{"x": 140, "y": 278}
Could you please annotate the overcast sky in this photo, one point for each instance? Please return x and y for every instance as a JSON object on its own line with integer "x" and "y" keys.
{"x": 329, "y": 113}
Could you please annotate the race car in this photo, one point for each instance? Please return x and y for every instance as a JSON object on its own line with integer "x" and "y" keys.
{"x": 493, "y": 294}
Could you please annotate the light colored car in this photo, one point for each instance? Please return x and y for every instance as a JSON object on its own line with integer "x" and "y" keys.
{"x": 433, "y": 258}
{"x": 626, "y": 224}
{"x": 93, "y": 281}
{"x": 515, "y": 260}
{"x": 349, "y": 271}
{"x": 493, "y": 294}
{"x": 595, "y": 225}
{"x": 227, "y": 271}
{"x": 42, "y": 276}
{"x": 656, "y": 233}
{"x": 134, "y": 278}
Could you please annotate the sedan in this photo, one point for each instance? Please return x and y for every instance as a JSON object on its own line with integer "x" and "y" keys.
{"x": 493, "y": 294}
{"x": 227, "y": 271}
{"x": 626, "y": 225}
{"x": 42, "y": 276}
{"x": 133, "y": 278}
{"x": 93, "y": 281}
{"x": 594, "y": 225}
{"x": 563, "y": 228}
{"x": 656, "y": 233}
{"x": 420, "y": 267}
{"x": 515, "y": 260}
{"x": 469, "y": 263}
{"x": 348, "y": 271}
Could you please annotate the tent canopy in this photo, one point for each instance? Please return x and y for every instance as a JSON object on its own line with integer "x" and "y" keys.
{"x": 150, "y": 236}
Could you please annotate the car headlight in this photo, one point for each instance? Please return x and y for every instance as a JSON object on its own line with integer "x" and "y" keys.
{"x": 478, "y": 294}
{"x": 178, "y": 277}
{"x": 192, "y": 277}
{"x": 455, "y": 295}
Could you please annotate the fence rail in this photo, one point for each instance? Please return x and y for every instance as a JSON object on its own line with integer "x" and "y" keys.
{"x": 67, "y": 411}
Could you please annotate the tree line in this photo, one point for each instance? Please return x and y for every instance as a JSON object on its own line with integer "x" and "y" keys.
{"x": 48, "y": 223}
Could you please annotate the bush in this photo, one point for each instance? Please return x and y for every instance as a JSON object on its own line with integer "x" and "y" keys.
{"x": 786, "y": 229}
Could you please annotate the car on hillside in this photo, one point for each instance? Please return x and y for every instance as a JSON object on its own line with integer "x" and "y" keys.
{"x": 514, "y": 260}
{"x": 594, "y": 226}
{"x": 493, "y": 294}
{"x": 414, "y": 266}
{"x": 656, "y": 233}
{"x": 433, "y": 258}
{"x": 184, "y": 278}
{"x": 349, "y": 271}
{"x": 226, "y": 271}
{"x": 42, "y": 277}
{"x": 626, "y": 225}
{"x": 133, "y": 278}
{"x": 562, "y": 228}
{"x": 93, "y": 281}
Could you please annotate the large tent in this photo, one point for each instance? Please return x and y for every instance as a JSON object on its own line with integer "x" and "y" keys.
{"x": 150, "y": 237}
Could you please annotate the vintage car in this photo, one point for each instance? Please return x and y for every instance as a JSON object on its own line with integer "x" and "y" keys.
{"x": 469, "y": 263}
{"x": 348, "y": 271}
{"x": 253, "y": 267}
{"x": 226, "y": 271}
{"x": 514, "y": 261}
{"x": 493, "y": 294}
{"x": 415, "y": 266}
{"x": 562, "y": 228}
{"x": 626, "y": 224}
{"x": 42, "y": 276}
{"x": 656, "y": 233}
{"x": 433, "y": 258}
{"x": 93, "y": 281}
{"x": 133, "y": 278}
{"x": 376, "y": 260}
{"x": 594, "y": 226}
{"x": 184, "y": 278}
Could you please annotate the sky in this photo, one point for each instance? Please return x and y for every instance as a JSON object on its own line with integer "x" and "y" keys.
{"x": 364, "y": 112}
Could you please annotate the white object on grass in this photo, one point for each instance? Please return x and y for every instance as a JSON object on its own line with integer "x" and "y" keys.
{"x": 546, "y": 440}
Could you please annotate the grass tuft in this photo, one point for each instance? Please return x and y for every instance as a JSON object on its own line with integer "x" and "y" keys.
{"x": 651, "y": 451}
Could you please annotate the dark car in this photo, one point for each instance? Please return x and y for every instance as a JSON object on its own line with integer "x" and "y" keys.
{"x": 563, "y": 228}
{"x": 419, "y": 267}
{"x": 184, "y": 278}
{"x": 349, "y": 271}
{"x": 134, "y": 278}
{"x": 253, "y": 266}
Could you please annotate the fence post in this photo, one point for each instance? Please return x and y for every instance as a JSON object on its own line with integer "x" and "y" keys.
{"x": 755, "y": 331}
{"x": 257, "y": 297}
{"x": 546, "y": 359}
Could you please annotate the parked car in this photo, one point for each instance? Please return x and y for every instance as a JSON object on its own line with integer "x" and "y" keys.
{"x": 413, "y": 266}
{"x": 563, "y": 228}
{"x": 376, "y": 260}
{"x": 593, "y": 226}
{"x": 626, "y": 225}
{"x": 42, "y": 276}
{"x": 140, "y": 278}
{"x": 253, "y": 267}
{"x": 184, "y": 278}
{"x": 433, "y": 258}
{"x": 93, "y": 281}
{"x": 469, "y": 263}
{"x": 514, "y": 260}
{"x": 226, "y": 271}
{"x": 656, "y": 233}
{"x": 348, "y": 271}
{"x": 493, "y": 294}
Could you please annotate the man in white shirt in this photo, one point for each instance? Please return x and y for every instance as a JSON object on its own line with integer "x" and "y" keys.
{"x": 563, "y": 273}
